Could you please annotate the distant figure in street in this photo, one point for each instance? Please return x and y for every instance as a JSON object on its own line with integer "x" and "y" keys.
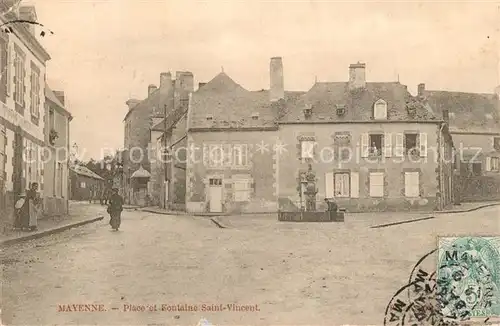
{"x": 91, "y": 194}
{"x": 115, "y": 208}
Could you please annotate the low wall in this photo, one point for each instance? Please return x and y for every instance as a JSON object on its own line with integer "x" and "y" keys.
{"x": 479, "y": 188}
{"x": 311, "y": 216}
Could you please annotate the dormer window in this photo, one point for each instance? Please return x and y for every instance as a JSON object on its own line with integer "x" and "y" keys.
{"x": 308, "y": 111}
{"x": 255, "y": 116}
{"x": 380, "y": 110}
{"x": 340, "y": 110}
{"x": 210, "y": 117}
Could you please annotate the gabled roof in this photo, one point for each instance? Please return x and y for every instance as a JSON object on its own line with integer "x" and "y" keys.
{"x": 222, "y": 103}
{"x": 83, "y": 170}
{"x": 468, "y": 111}
{"x": 152, "y": 100}
{"x": 324, "y": 98}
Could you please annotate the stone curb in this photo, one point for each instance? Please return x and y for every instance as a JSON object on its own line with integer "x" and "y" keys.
{"x": 401, "y": 222}
{"x": 466, "y": 210}
{"x": 40, "y": 234}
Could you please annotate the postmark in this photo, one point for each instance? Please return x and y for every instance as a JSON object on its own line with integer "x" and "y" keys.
{"x": 468, "y": 276}
{"x": 422, "y": 302}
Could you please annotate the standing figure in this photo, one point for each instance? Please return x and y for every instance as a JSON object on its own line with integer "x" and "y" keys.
{"x": 29, "y": 211}
{"x": 91, "y": 194}
{"x": 115, "y": 208}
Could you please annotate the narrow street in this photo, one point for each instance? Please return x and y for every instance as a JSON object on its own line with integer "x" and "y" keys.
{"x": 287, "y": 273}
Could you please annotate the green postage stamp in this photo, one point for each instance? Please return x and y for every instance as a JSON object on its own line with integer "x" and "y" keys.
{"x": 468, "y": 277}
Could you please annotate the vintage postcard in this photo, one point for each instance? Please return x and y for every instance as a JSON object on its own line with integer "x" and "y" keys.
{"x": 185, "y": 162}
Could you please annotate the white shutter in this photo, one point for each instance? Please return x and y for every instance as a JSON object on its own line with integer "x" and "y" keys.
{"x": 488, "y": 163}
{"x": 9, "y": 68}
{"x": 412, "y": 184}
{"x": 364, "y": 145}
{"x": 387, "y": 145}
{"x": 423, "y": 144}
{"x": 354, "y": 184}
{"x": 329, "y": 185}
{"x": 398, "y": 151}
{"x": 376, "y": 184}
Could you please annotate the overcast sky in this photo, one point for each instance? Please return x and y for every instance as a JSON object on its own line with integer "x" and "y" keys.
{"x": 105, "y": 52}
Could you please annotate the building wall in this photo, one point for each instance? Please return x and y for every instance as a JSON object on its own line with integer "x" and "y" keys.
{"x": 177, "y": 185}
{"x": 21, "y": 128}
{"x": 78, "y": 192}
{"x": 56, "y": 162}
{"x": 136, "y": 140}
{"x": 394, "y": 168}
{"x": 157, "y": 169}
{"x": 260, "y": 172}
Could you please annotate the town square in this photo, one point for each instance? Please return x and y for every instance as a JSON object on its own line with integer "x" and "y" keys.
{"x": 207, "y": 163}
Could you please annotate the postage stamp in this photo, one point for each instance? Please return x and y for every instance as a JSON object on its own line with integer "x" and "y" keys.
{"x": 468, "y": 277}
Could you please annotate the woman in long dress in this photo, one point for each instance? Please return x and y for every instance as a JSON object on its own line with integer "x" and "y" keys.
{"x": 29, "y": 211}
{"x": 115, "y": 208}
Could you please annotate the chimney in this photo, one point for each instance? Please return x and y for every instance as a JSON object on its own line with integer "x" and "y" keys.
{"x": 277, "y": 87}
{"x": 446, "y": 115}
{"x": 184, "y": 81}
{"x": 421, "y": 90}
{"x": 60, "y": 96}
{"x": 28, "y": 13}
{"x": 357, "y": 76}
{"x": 151, "y": 89}
{"x": 165, "y": 81}
{"x": 200, "y": 85}
{"x": 132, "y": 103}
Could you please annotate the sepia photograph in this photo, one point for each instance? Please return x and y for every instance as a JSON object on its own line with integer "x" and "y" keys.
{"x": 250, "y": 162}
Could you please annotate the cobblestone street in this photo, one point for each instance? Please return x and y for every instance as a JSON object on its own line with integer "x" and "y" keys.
{"x": 296, "y": 273}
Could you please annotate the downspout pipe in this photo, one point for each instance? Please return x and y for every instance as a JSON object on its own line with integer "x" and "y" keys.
{"x": 441, "y": 154}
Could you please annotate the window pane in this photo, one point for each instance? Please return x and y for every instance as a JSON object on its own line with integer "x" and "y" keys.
{"x": 342, "y": 185}
{"x": 307, "y": 149}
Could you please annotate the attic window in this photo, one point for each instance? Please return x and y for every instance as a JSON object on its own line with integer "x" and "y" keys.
{"x": 380, "y": 109}
{"x": 340, "y": 110}
{"x": 209, "y": 117}
{"x": 308, "y": 111}
{"x": 255, "y": 116}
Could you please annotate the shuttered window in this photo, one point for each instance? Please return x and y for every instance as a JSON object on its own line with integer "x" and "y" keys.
{"x": 307, "y": 149}
{"x": 342, "y": 188}
{"x": 19, "y": 75}
{"x": 376, "y": 184}
{"x": 242, "y": 189}
{"x": 4, "y": 68}
{"x": 412, "y": 184}
{"x": 35, "y": 91}
{"x": 423, "y": 144}
{"x": 354, "y": 185}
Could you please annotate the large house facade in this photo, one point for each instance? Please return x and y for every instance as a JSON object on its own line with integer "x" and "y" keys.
{"x": 23, "y": 61}
{"x": 371, "y": 146}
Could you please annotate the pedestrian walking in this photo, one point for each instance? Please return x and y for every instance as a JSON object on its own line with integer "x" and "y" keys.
{"x": 115, "y": 208}
{"x": 91, "y": 194}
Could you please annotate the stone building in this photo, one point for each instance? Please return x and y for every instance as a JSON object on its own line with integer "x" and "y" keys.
{"x": 144, "y": 124}
{"x": 232, "y": 132}
{"x": 22, "y": 84}
{"x": 372, "y": 146}
{"x": 475, "y": 128}
{"x": 84, "y": 183}
{"x": 57, "y": 140}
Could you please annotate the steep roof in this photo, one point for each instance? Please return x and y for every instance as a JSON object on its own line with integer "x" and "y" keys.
{"x": 324, "y": 97}
{"x": 83, "y": 170}
{"x": 468, "y": 111}
{"x": 222, "y": 103}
